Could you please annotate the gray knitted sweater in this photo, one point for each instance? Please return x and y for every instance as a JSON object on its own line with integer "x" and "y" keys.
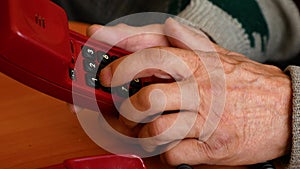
{"x": 260, "y": 29}
{"x": 294, "y": 72}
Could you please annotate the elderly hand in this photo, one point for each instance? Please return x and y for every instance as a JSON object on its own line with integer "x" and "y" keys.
{"x": 131, "y": 39}
{"x": 222, "y": 108}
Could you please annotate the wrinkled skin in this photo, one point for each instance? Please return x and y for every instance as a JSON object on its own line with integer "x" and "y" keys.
{"x": 244, "y": 118}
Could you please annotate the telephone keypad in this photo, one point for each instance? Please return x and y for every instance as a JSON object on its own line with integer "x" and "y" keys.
{"x": 103, "y": 58}
{"x": 90, "y": 66}
{"x": 122, "y": 91}
{"x": 136, "y": 83}
{"x": 94, "y": 61}
{"x": 88, "y": 52}
{"x": 92, "y": 80}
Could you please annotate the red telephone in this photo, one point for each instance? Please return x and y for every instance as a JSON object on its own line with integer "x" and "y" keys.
{"x": 103, "y": 162}
{"x": 38, "y": 49}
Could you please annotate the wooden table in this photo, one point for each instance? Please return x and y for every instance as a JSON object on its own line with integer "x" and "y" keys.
{"x": 37, "y": 130}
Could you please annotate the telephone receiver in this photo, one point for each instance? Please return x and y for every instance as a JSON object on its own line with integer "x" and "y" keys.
{"x": 38, "y": 49}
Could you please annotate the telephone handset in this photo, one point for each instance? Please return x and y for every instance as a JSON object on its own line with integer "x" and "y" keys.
{"x": 38, "y": 49}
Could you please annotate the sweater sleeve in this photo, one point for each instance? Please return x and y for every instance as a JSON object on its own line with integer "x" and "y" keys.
{"x": 294, "y": 72}
{"x": 262, "y": 30}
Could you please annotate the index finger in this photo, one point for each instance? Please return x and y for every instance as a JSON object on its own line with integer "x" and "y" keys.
{"x": 159, "y": 61}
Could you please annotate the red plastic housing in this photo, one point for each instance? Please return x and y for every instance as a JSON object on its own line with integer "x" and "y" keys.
{"x": 102, "y": 162}
{"x": 38, "y": 49}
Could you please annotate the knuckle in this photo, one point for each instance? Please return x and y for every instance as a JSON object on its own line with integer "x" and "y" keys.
{"x": 183, "y": 155}
{"x": 155, "y": 127}
{"x": 170, "y": 159}
{"x": 126, "y": 122}
{"x": 144, "y": 97}
{"x": 155, "y": 55}
{"x": 219, "y": 149}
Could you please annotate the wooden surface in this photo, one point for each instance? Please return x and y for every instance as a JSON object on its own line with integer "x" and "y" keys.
{"x": 37, "y": 130}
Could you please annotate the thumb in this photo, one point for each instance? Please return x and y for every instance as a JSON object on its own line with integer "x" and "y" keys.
{"x": 185, "y": 37}
{"x": 128, "y": 37}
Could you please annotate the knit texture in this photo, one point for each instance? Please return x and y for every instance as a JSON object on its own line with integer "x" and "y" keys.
{"x": 294, "y": 72}
{"x": 274, "y": 33}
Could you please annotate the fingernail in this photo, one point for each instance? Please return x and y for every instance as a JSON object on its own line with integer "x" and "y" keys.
{"x": 172, "y": 21}
{"x": 149, "y": 148}
{"x": 184, "y": 25}
{"x": 92, "y": 29}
